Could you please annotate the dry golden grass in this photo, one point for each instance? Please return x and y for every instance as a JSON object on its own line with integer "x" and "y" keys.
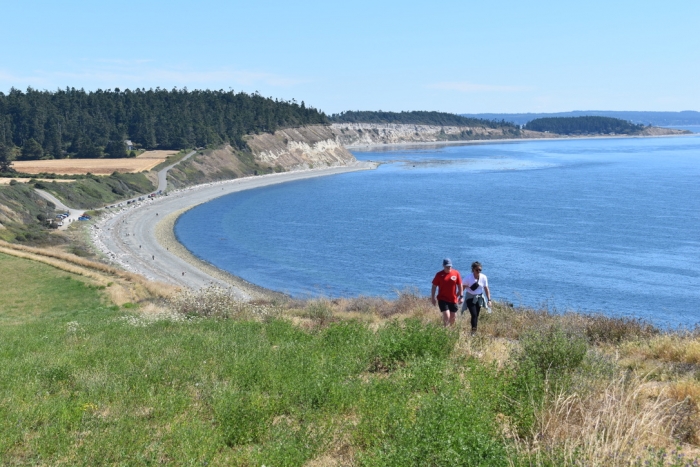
{"x": 673, "y": 348}
{"x": 610, "y": 426}
{"x": 688, "y": 393}
{"x": 495, "y": 350}
{"x": 6, "y": 181}
{"x": 686, "y": 389}
{"x": 160, "y": 155}
{"x": 83, "y": 166}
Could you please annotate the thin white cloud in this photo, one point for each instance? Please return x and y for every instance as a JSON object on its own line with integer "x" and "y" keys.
{"x": 463, "y": 86}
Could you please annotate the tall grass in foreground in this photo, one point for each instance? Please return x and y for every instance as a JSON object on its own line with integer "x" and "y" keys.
{"x": 206, "y": 380}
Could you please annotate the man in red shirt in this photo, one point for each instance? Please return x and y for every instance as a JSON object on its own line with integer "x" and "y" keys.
{"x": 448, "y": 283}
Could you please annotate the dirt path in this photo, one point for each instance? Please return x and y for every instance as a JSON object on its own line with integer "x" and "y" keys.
{"x": 73, "y": 214}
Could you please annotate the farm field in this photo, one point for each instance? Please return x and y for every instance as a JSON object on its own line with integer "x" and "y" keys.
{"x": 6, "y": 181}
{"x": 160, "y": 154}
{"x": 145, "y": 161}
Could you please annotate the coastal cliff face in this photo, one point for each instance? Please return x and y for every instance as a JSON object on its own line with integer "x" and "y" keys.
{"x": 307, "y": 147}
{"x": 317, "y": 146}
{"x": 359, "y": 134}
{"x": 300, "y": 148}
{"x": 367, "y": 134}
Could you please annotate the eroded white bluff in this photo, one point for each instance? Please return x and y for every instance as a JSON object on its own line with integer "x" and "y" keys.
{"x": 325, "y": 145}
{"x": 298, "y": 148}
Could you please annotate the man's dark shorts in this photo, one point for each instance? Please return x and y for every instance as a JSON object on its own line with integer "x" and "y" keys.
{"x": 444, "y": 306}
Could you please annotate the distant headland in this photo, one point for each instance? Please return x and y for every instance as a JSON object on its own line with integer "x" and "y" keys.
{"x": 686, "y": 117}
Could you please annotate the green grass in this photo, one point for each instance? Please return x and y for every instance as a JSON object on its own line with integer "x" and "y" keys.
{"x": 89, "y": 388}
{"x": 96, "y": 191}
{"x": 84, "y": 383}
{"x": 31, "y": 290}
{"x": 171, "y": 160}
{"x": 22, "y": 222}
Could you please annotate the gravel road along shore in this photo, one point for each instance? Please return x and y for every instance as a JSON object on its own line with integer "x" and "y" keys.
{"x": 140, "y": 237}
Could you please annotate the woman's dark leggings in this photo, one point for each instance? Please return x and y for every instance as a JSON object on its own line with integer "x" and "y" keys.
{"x": 474, "y": 309}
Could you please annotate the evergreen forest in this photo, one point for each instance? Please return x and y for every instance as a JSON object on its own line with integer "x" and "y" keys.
{"x": 417, "y": 118}
{"x": 583, "y": 125}
{"x": 77, "y": 123}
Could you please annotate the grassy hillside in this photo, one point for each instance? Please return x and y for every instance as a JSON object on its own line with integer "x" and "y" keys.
{"x": 199, "y": 379}
{"x": 96, "y": 191}
{"x": 23, "y": 215}
{"x": 210, "y": 165}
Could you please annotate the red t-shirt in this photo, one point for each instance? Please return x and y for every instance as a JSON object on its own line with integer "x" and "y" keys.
{"x": 447, "y": 283}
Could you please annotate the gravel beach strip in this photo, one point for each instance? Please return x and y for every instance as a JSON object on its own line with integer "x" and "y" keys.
{"x": 139, "y": 237}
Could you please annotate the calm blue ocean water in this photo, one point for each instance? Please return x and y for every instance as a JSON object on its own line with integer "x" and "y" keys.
{"x": 609, "y": 225}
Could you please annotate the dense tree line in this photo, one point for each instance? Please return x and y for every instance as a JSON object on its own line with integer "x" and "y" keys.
{"x": 415, "y": 117}
{"x": 584, "y": 125}
{"x": 72, "y": 122}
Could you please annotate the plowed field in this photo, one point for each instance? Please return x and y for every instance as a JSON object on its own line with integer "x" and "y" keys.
{"x": 145, "y": 161}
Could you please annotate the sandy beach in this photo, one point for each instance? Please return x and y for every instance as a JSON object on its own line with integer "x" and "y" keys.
{"x": 139, "y": 237}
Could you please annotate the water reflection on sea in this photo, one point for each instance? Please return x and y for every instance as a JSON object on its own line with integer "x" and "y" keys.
{"x": 606, "y": 225}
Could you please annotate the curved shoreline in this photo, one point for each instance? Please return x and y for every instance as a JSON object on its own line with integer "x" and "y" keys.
{"x": 406, "y": 144}
{"x": 165, "y": 235}
{"x": 140, "y": 237}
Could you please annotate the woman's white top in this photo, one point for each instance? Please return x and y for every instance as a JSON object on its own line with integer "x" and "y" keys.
{"x": 470, "y": 280}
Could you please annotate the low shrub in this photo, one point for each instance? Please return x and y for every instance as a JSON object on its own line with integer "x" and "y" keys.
{"x": 401, "y": 341}
{"x": 409, "y": 302}
{"x": 217, "y": 302}
{"x": 319, "y": 311}
{"x": 512, "y": 323}
{"x": 210, "y": 301}
{"x": 553, "y": 351}
{"x": 606, "y": 329}
{"x": 368, "y": 305}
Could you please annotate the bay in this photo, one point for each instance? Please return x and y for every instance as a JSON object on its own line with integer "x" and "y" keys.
{"x": 598, "y": 225}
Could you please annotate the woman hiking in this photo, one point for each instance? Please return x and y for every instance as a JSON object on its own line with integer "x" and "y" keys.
{"x": 476, "y": 285}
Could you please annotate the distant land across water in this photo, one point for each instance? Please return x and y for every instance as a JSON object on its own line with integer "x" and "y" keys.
{"x": 686, "y": 117}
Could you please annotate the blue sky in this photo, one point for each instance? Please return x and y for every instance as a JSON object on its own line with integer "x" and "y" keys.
{"x": 453, "y": 56}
